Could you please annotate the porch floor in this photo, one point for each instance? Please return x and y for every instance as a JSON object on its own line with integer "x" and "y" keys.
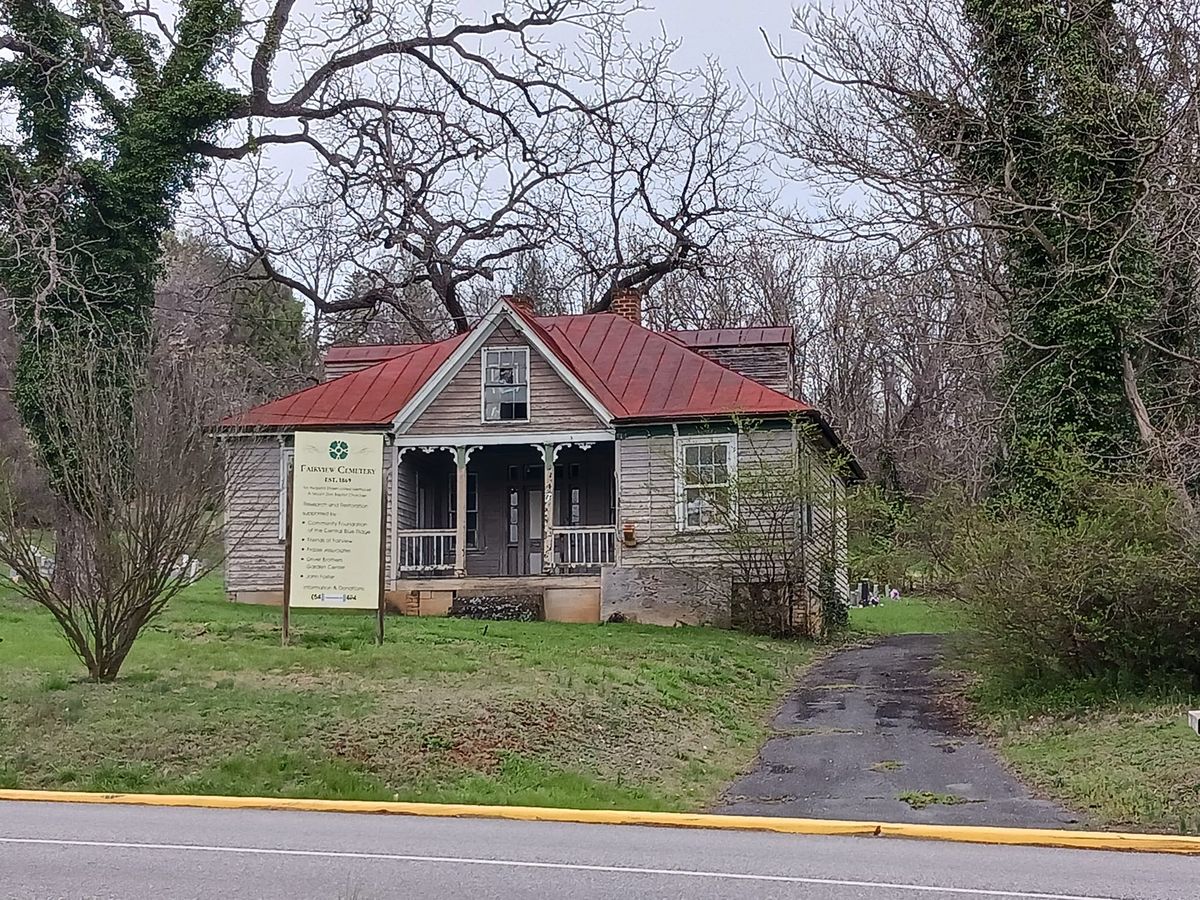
{"x": 497, "y": 583}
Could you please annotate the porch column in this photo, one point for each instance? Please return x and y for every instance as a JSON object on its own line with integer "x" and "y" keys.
{"x": 548, "y": 453}
{"x": 461, "y": 455}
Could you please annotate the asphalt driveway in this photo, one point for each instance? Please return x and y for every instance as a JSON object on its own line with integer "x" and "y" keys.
{"x": 868, "y": 734}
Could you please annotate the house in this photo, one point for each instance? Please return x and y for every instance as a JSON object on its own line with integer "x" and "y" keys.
{"x": 575, "y": 459}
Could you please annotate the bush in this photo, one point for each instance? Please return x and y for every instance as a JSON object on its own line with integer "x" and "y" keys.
{"x": 1110, "y": 589}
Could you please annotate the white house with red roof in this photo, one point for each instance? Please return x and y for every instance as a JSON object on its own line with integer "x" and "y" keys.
{"x": 575, "y": 461}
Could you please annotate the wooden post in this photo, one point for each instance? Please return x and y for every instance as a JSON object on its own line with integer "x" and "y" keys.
{"x": 287, "y": 561}
{"x": 460, "y": 512}
{"x": 548, "y": 509}
{"x": 383, "y": 545}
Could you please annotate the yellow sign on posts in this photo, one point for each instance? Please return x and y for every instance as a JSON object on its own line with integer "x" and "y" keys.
{"x": 336, "y": 547}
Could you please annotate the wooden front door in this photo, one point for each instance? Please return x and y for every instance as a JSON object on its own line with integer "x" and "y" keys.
{"x": 524, "y": 516}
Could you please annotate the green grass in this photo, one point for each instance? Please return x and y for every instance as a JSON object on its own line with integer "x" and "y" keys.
{"x": 1124, "y": 758}
{"x": 446, "y": 710}
{"x": 909, "y": 615}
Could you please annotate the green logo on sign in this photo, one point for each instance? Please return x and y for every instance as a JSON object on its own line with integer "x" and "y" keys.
{"x": 338, "y": 450}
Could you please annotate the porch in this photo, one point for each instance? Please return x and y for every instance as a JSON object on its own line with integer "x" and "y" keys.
{"x": 504, "y": 518}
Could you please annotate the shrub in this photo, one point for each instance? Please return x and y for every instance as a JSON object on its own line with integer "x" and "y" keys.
{"x": 1111, "y": 589}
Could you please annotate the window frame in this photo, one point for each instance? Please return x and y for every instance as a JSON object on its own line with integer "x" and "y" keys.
{"x": 483, "y": 385}
{"x": 730, "y": 442}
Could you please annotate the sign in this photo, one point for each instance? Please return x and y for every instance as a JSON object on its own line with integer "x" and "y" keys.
{"x": 337, "y": 516}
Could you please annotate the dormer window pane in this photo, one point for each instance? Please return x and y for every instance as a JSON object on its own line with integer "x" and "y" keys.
{"x": 506, "y": 385}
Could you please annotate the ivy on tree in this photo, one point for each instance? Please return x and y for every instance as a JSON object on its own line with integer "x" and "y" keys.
{"x": 102, "y": 197}
{"x": 1059, "y": 142}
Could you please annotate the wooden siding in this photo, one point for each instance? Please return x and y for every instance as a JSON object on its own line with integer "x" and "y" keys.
{"x": 553, "y": 404}
{"x": 406, "y": 490}
{"x": 769, "y": 364}
{"x": 647, "y": 499}
{"x": 254, "y": 551}
{"x": 827, "y": 539}
{"x": 841, "y": 541}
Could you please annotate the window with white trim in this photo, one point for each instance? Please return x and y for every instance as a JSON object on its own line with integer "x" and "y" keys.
{"x": 505, "y": 384}
{"x": 704, "y": 481}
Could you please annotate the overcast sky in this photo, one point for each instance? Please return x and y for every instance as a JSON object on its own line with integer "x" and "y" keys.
{"x": 727, "y": 31}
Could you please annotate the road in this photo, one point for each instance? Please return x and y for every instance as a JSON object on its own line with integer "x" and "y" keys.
{"x": 869, "y": 725}
{"x": 50, "y": 850}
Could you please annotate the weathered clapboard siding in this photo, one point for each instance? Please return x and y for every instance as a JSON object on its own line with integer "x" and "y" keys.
{"x": 254, "y": 550}
{"x": 769, "y": 364}
{"x": 389, "y": 543}
{"x": 826, "y": 542}
{"x": 647, "y": 496}
{"x": 406, "y": 491}
{"x": 841, "y": 537}
{"x": 553, "y": 404}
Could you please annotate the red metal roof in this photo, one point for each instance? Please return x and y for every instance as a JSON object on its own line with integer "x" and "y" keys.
{"x": 369, "y": 396}
{"x": 635, "y": 373}
{"x": 734, "y": 337}
{"x": 653, "y": 376}
{"x": 367, "y": 352}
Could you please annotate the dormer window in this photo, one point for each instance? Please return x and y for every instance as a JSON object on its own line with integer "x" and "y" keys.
{"x": 506, "y": 384}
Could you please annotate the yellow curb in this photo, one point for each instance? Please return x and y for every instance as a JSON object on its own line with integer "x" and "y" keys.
{"x": 975, "y": 834}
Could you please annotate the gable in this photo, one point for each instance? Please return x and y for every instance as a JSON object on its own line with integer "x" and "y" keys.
{"x": 553, "y": 404}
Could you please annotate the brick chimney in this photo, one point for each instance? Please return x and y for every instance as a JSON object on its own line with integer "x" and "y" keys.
{"x": 524, "y": 302}
{"x": 627, "y": 303}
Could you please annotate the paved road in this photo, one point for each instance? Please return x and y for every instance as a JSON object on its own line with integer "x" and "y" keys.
{"x": 134, "y": 853}
{"x": 867, "y": 725}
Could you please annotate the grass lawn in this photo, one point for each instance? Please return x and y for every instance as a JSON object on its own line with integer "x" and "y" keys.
{"x": 908, "y": 615}
{"x": 448, "y": 710}
{"x": 1126, "y": 760}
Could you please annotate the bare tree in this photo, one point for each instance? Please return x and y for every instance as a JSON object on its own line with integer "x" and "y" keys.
{"x": 675, "y": 173}
{"x": 944, "y": 133}
{"x": 119, "y": 110}
{"x": 138, "y": 493}
{"x": 441, "y": 172}
{"x": 627, "y": 172}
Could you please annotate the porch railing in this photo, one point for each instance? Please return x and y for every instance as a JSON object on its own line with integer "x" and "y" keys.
{"x": 586, "y": 547}
{"x": 423, "y": 550}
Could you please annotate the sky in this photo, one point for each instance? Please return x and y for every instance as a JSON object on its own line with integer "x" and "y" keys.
{"x": 727, "y": 31}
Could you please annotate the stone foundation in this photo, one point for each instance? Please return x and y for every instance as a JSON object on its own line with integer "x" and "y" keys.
{"x": 661, "y": 595}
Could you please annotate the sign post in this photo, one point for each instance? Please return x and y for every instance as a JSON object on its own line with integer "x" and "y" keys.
{"x": 337, "y": 525}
